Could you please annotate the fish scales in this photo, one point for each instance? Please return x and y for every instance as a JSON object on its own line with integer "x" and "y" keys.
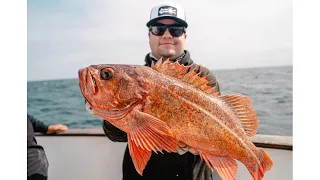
{"x": 181, "y": 107}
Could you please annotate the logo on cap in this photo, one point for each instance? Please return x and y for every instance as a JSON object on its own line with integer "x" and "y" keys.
{"x": 167, "y": 10}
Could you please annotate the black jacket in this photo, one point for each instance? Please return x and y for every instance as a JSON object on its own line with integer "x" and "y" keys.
{"x": 168, "y": 165}
{"x": 37, "y": 162}
{"x": 34, "y": 125}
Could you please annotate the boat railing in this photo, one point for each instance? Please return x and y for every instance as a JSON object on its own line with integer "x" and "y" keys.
{"x": 260, "y": 140}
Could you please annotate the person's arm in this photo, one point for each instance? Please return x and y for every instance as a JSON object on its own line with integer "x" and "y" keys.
{"x": 38, "y": 126}
{"x": 113, "y": 133}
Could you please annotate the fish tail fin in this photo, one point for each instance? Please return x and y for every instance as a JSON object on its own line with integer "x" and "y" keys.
{"x": 258, "y": 171}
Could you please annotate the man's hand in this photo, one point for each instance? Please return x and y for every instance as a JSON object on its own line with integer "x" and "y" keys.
{"x": 56, "y": 128}
{"x": 182, "y": 148}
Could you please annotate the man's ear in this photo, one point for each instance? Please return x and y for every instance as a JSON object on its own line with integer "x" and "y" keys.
{"x": 149, "y": 38}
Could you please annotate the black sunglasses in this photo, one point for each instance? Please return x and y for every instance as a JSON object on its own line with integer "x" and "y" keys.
{"x": 159, "y": 29}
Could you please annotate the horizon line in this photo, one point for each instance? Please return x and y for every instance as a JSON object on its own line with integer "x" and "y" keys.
{"x": 222, "y": 69}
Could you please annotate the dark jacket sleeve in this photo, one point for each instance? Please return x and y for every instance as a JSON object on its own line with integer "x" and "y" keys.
{"x": 38, "y": 126}
{"x": 114, "y": 133}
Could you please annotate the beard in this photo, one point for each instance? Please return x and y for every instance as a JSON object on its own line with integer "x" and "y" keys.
{"x": 168, "y": 53}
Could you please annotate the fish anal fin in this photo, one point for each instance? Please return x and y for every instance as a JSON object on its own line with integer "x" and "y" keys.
{"x": 187, "y": 74}
{"x": 140, "y": 157}
{"x": 244, "y": 110}
{"x": 226, "y": 167}
{"x": 150, "y": 133}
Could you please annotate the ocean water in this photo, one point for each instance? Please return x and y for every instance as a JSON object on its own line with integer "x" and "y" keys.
{"x": 270, "y": 89}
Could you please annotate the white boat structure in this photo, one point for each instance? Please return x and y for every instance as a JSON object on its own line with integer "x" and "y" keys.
{"x": 83, "y": 154}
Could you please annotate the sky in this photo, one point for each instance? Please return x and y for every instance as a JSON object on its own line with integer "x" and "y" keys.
{"x": 66, "y": 35}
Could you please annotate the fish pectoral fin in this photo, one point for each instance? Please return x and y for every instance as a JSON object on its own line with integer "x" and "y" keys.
{"x": 227, "y": 168}
{"x": 244, "y": 110}
{"x": 150, "y": 133}
{"x": 147, "y": 134}
{"x": 140, "y": 157}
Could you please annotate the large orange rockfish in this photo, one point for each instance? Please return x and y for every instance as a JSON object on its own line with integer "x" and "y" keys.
{"x": 165, "y": 104}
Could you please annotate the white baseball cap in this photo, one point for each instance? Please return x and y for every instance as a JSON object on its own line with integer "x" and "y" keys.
{"x": 168, "y": 10}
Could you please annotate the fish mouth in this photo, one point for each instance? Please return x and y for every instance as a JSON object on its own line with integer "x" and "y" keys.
{"x": 88, "y": 84}
{"x": 91, "y": 82}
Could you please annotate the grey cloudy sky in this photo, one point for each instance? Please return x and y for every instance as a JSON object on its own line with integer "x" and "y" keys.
{"x": 65, "y": 35}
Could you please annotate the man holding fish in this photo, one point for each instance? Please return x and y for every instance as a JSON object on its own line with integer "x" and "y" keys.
{"x": 167, "y": 37}
{"x": 176, "y": 122}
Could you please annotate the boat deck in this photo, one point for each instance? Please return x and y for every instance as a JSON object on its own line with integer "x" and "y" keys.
{"x": 82, "y": 154}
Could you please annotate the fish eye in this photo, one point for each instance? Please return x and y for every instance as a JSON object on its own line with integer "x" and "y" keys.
{"x": 106, "y": 73}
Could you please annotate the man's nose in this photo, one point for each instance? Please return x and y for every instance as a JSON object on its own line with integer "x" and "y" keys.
{"x": 167, "y": 34}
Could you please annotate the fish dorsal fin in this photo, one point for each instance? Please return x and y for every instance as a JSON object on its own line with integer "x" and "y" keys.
{"x": 244, "y": 110}
{"x": 180, "y": 72}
